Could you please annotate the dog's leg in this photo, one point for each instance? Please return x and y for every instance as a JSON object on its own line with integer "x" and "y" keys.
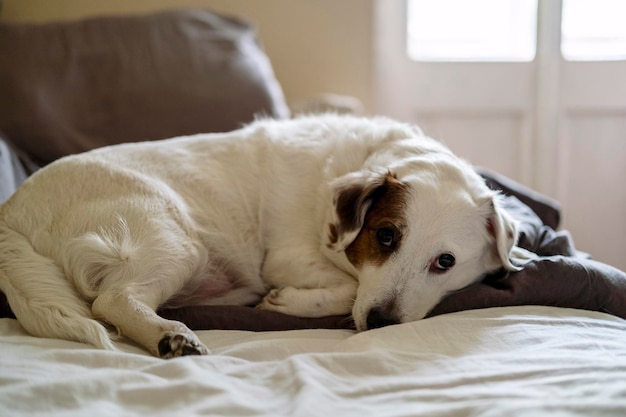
{"x": 128, "y": 278}
{"x": 137, "y": 320}
{"x": 311, "y": 302}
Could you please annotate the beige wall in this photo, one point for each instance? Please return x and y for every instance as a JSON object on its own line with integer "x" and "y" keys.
{"x": 315, "y": 45}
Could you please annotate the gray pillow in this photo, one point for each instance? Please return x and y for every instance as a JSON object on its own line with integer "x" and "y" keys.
{"x": 68, "y": 87}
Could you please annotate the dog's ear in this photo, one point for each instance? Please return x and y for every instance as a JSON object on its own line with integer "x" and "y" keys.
{"x": 503, "y": 230}
{"x": 353, "y": 195}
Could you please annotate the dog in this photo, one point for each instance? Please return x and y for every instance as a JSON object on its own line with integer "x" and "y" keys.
{"x": 312, "y": 216}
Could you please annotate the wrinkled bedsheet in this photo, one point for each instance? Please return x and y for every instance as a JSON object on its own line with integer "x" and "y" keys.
{"x": 511, "y": 361}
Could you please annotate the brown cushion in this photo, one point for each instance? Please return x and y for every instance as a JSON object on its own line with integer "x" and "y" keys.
{"x": 73, "y": 86}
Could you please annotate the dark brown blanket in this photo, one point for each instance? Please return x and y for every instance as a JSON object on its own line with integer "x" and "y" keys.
{"x": 561, "y": 277}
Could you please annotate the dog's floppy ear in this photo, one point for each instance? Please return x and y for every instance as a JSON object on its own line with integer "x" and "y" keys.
{"x": 353, "y": 195}
{"x": 503, "y": 229}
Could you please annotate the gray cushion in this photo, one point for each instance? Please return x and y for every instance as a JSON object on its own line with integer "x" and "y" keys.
{"x": 69, "y": 87}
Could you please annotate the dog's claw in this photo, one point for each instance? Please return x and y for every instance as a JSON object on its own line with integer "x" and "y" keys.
{"x": 173, "y": 345}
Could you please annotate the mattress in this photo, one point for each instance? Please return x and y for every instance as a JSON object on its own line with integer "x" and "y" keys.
{"x": 508, "y": 361}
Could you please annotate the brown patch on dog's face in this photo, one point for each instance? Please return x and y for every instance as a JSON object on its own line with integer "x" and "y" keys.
{"x": 385, "y": 223}
{"x": 352, "y": 201}
{"x": 348, "y": 200}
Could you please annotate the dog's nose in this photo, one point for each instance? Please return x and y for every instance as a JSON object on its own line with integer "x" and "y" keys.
{"x": 378, "y": 318}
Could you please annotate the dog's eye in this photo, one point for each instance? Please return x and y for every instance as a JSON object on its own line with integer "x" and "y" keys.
{"x": 444, "y": 262}
{"x": 385, "y": 236}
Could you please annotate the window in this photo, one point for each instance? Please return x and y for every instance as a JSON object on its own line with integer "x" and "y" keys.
{"x": 476, "y": 30}
{"x": 506, "y": 30}
{"x": 593, "y": 30}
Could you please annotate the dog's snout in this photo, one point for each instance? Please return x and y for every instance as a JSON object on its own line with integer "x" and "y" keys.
{"x": 379, "y": 318}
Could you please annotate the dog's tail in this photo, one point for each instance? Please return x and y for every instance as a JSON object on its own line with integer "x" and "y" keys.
{"x": 43, "y": 300}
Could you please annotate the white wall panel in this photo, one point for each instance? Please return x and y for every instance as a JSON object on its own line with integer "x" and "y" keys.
{"x": 494, "y": 141}
{"x": 592, "y": 185}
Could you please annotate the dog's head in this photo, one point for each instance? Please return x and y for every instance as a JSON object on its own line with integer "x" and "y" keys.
{"x": 416, "y": 237}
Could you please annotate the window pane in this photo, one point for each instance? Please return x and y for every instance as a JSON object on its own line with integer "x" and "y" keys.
{"x": 593, "y": 30}
{"x": 476, "y": 30}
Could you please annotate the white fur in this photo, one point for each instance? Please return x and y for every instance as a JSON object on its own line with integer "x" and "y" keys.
{"x": 110, "y": 235}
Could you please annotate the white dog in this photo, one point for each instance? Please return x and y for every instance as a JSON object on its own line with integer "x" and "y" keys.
{"x": 334, "y": 214}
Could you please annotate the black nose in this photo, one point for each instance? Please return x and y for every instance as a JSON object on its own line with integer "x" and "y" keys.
{"x": 378, "y": 318}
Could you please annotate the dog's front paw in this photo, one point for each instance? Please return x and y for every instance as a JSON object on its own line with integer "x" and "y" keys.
{"x": 173, "y": 345}
{"x": 282, "y": 300}
{"x": 311, "y": 302}
{"x": 273, "y": 298}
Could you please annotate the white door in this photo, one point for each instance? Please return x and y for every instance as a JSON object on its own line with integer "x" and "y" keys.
{"x": 555, "y": 125}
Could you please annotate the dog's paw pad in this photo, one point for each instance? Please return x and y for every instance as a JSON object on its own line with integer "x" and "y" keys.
{"x": 173, "y": 345}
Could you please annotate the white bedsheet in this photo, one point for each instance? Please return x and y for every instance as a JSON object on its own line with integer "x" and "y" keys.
{"x": 514, "y": 361}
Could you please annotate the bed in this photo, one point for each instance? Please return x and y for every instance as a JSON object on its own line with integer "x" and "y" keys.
{"x": 548, "y": 340}
{"x": 512, "y": 361}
